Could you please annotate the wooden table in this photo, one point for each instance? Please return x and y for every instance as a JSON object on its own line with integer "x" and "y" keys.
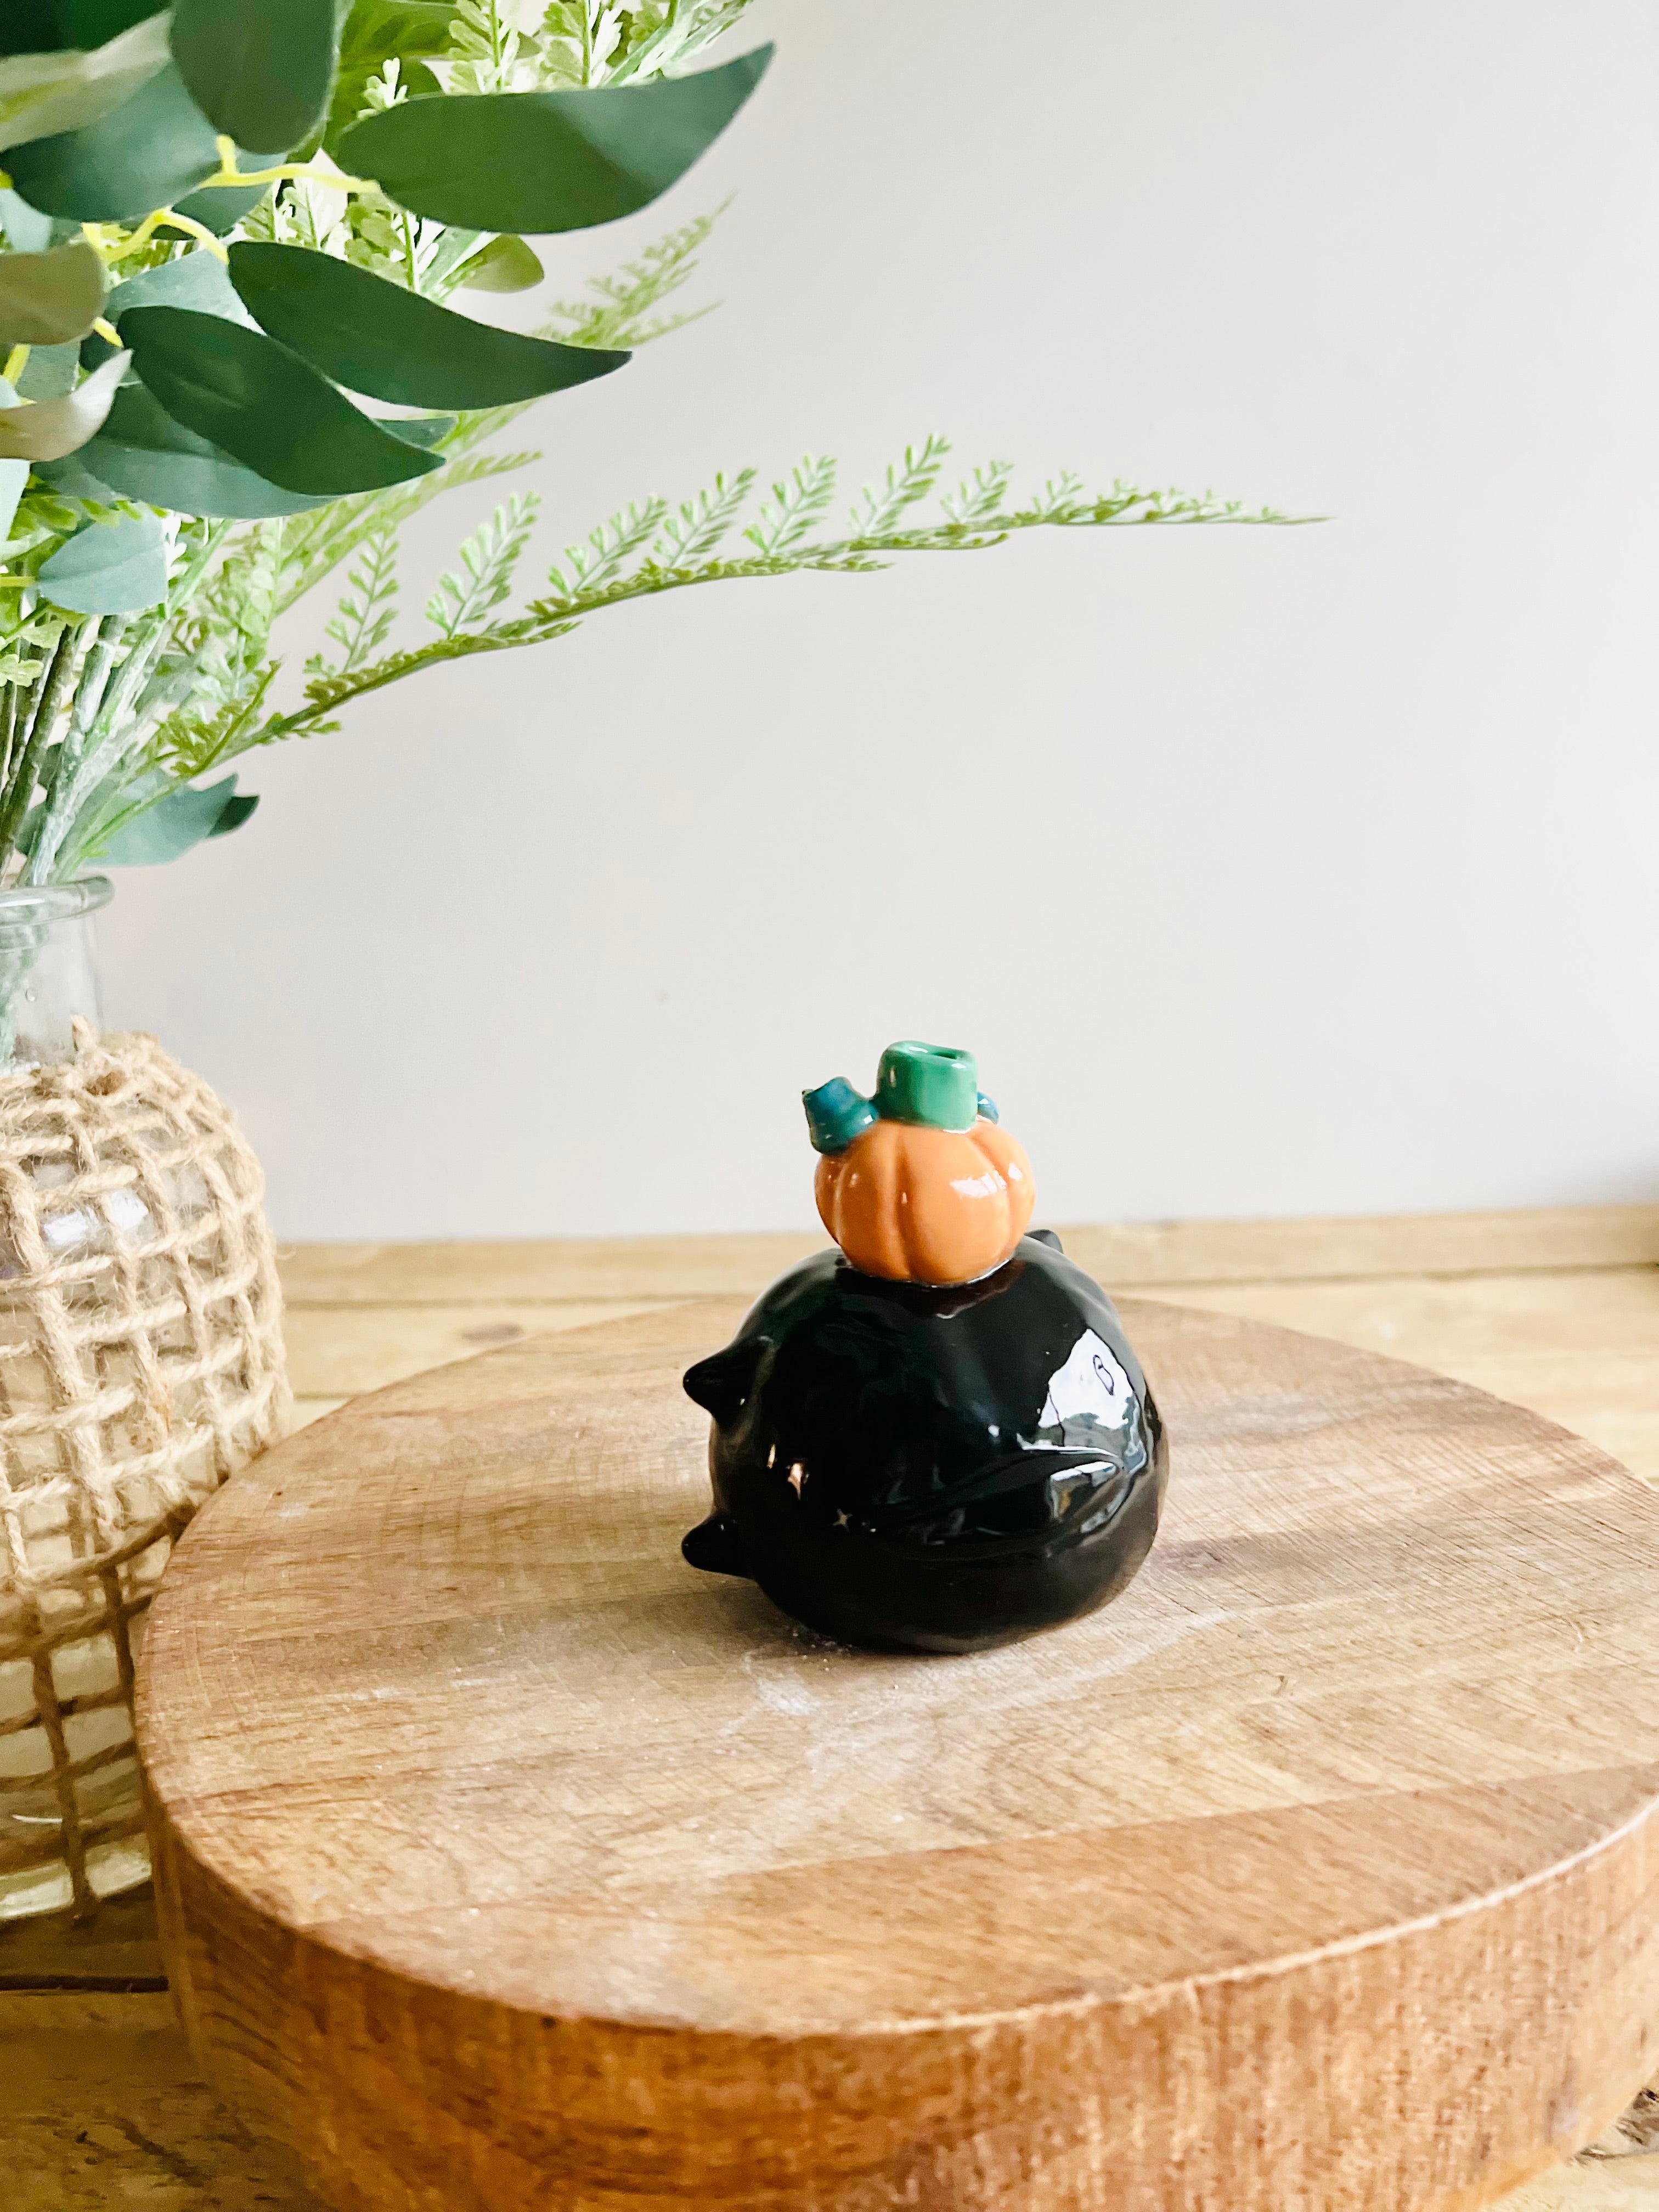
{"x": 1558, "y": 1311}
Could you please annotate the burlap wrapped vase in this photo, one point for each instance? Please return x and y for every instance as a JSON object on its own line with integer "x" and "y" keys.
{"x": 141, "y": 1363}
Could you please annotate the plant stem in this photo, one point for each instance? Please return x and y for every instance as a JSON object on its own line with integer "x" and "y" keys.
{"x": 8, "y": 727}
{"x": 56, "y": 817}
{"x": 94, "y": 676}
{"x": 120, "y": 724}
{"x": 20, "y": 781}
{"x": 113, "y": 730}
{"x": 22, "y": 711}
{"x": 552, "y": 617}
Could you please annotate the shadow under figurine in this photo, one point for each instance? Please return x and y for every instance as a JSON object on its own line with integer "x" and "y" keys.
{"x": 937, "y": 1439}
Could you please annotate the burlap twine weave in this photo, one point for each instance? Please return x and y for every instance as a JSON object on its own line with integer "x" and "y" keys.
{"x": 141, "y": 1363}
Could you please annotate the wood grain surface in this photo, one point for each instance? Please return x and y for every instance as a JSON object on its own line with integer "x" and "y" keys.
{"x": 102, "y": 2111}
{"x": 1558, "y": 1310}
{"x": 1129, "y": 1254}
{"x": 510, "y": 1864}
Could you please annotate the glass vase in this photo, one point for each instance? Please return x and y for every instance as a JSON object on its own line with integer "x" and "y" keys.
{"x": 49, "y": 977}
{"x": 141, "y": 1363}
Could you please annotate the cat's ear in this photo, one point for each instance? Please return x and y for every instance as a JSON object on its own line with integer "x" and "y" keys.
{"x": 723, "y": 1383}
{"x": 715, "y": 1546}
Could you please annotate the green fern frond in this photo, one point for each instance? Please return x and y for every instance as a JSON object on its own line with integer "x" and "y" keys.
{"x": 698, "y": 528}
{"x": 363, "y": 620}
{"x": 188, "y": 744}
{"x": 579, "y": 43}
{"x": 664, "y": 34}
{"x": 973, "y": 519}
{"x": 609, "y": 549}
{"x": 488, "y": 558}
{"x": 483, "y": 51}
{"x": 979, "y": 500}
{"x": 324, "y": 693}
{"x": 795, "y": 506}
{"x": 576, "y": 40}
{"x": 624, "y": 316}
{"x": 384, "y": 90}
{"x": 910, "y": 480}
{"x": 1059, "y": 496}
{"x": 319, "y": 542}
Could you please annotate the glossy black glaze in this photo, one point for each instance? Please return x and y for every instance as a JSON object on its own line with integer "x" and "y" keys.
{"x": 934, "y": 1470}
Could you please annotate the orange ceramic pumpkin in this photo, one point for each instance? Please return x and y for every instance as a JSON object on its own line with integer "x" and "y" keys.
{"x": 922, "y": 1205}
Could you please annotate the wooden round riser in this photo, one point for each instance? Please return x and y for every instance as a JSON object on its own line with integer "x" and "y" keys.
{"x": 508, "y": 1863}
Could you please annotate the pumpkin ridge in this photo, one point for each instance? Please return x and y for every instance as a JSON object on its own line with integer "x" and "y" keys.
{"x": 914, "y": 1202}
{"x": 984, "y": 1153}
{"x": 901, "y": 1213}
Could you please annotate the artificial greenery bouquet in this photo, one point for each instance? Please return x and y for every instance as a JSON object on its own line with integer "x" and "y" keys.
{"x": 240, "y": 239}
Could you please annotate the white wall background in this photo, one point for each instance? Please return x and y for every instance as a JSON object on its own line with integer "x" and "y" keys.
{"x": 1307, "y": 871}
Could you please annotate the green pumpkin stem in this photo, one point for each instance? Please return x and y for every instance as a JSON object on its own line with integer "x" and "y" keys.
{"x": 934, "y": 1084}
{"x": 836, "y": 1114}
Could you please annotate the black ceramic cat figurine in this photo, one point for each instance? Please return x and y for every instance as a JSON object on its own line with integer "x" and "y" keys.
{"x": 907, "y": 1456}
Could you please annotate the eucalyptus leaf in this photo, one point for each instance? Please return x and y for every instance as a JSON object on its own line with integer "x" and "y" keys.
{"x": 506, "y": 265}
{"x": 71, "y": 477}
{"x": 51, "y": 428}
{"x": 372, "y": 335}
{"x": 196, "y": 280}
{"x": 30, "y": 27}
{"x": 260, "y": 73}
{"x": 109, "y": 568}
{"x": 27, "y": 231}
{"x": 148, "y": 154}
{"x": 45, "y": 299}
{"x": 547, "y": 160}
{"x": 50, "y": 372}
{"x": 170, "y": 827}
{"x": 14, "y": 475}
{"x": 264, "y": 405}
{"x": 142, "y": 453}
{"x": 92, "y": 22}
{"x": 43, "y": 93}
{"x": 421, "y": 430}
{"x": 236, "y": 810}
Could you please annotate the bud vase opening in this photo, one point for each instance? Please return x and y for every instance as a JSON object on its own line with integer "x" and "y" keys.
{"x": 49, "y": 977}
